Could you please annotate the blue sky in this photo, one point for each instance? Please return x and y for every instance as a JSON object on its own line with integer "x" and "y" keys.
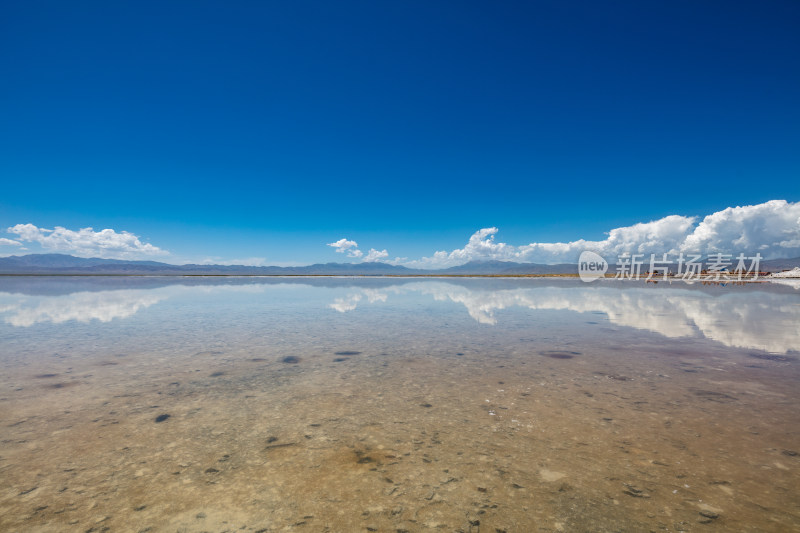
{"x": 221, "y": 131}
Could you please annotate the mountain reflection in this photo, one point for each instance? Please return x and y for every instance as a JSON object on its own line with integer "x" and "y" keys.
{"x": 745, "y": 319}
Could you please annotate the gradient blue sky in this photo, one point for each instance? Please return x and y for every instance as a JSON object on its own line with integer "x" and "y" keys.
{"x": 267, "y": 129}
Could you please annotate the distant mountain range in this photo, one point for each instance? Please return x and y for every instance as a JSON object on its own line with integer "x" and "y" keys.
{"x": 67, "y": 264}
{"x": 62, "y": 264}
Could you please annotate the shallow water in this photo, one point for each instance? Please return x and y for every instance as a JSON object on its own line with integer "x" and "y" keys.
{"x": 329, "y": 404}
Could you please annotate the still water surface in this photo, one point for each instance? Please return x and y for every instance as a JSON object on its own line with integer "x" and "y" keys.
{"x": 330, "y": 404}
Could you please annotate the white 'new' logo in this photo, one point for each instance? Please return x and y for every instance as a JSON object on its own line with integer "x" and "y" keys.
{"x": 591, "y": 266}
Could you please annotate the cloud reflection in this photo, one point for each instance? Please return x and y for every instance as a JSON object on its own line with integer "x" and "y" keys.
{"x": 744, "y": 319}
{"x": 763, "y": 318}
{"x": 81, "y": 306}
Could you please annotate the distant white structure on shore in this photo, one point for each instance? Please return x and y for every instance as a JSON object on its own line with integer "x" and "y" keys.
{"x": 793, "y": 273}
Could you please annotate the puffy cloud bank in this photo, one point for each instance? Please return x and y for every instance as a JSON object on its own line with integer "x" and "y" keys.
{"x": 86, "y": 242}
{"x": 771, "y": 229}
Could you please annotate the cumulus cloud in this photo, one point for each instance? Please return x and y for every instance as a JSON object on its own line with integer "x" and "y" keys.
{"x": 375, "y": 255}
{"x": 9, "y": 242}
{"x": 771, "y": 229}
{"x": 345, "y": 246}
{"x": 351, "y": 249}
{"x": 86, "y": 242}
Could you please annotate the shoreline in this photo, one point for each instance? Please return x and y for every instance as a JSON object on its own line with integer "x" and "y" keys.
{"x": 493, "y": 276}
{"x": 291, "y": 275}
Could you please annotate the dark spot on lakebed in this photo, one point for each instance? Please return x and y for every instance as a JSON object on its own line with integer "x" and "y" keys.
{"x": 714, "y": 396}
{"x": 161, "y": 418}
{"x": 347, "y": 352}
{"x": 339, "y": 359}
{"x": 616, "y": 377}
{"x": 210, "y": 352}
{"x": 61, "y": 385}
{"x": 425, "y": 405}
{"x": 559, "y": 354}
{"x": 291, "y": 359}
{"x": 362, "y": 458}
{"x": 45, "y": 376}
{"x": 771, "y": 357}
{"x": 217, "y": 374}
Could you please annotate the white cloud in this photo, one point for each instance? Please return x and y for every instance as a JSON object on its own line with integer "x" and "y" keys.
{"x": 9, "y": 242}
{"x": 375, "y": 255}
{"x": 86, "y": 242}
{"x": 350, "y": 247}
{"x": 771, "y": 228}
